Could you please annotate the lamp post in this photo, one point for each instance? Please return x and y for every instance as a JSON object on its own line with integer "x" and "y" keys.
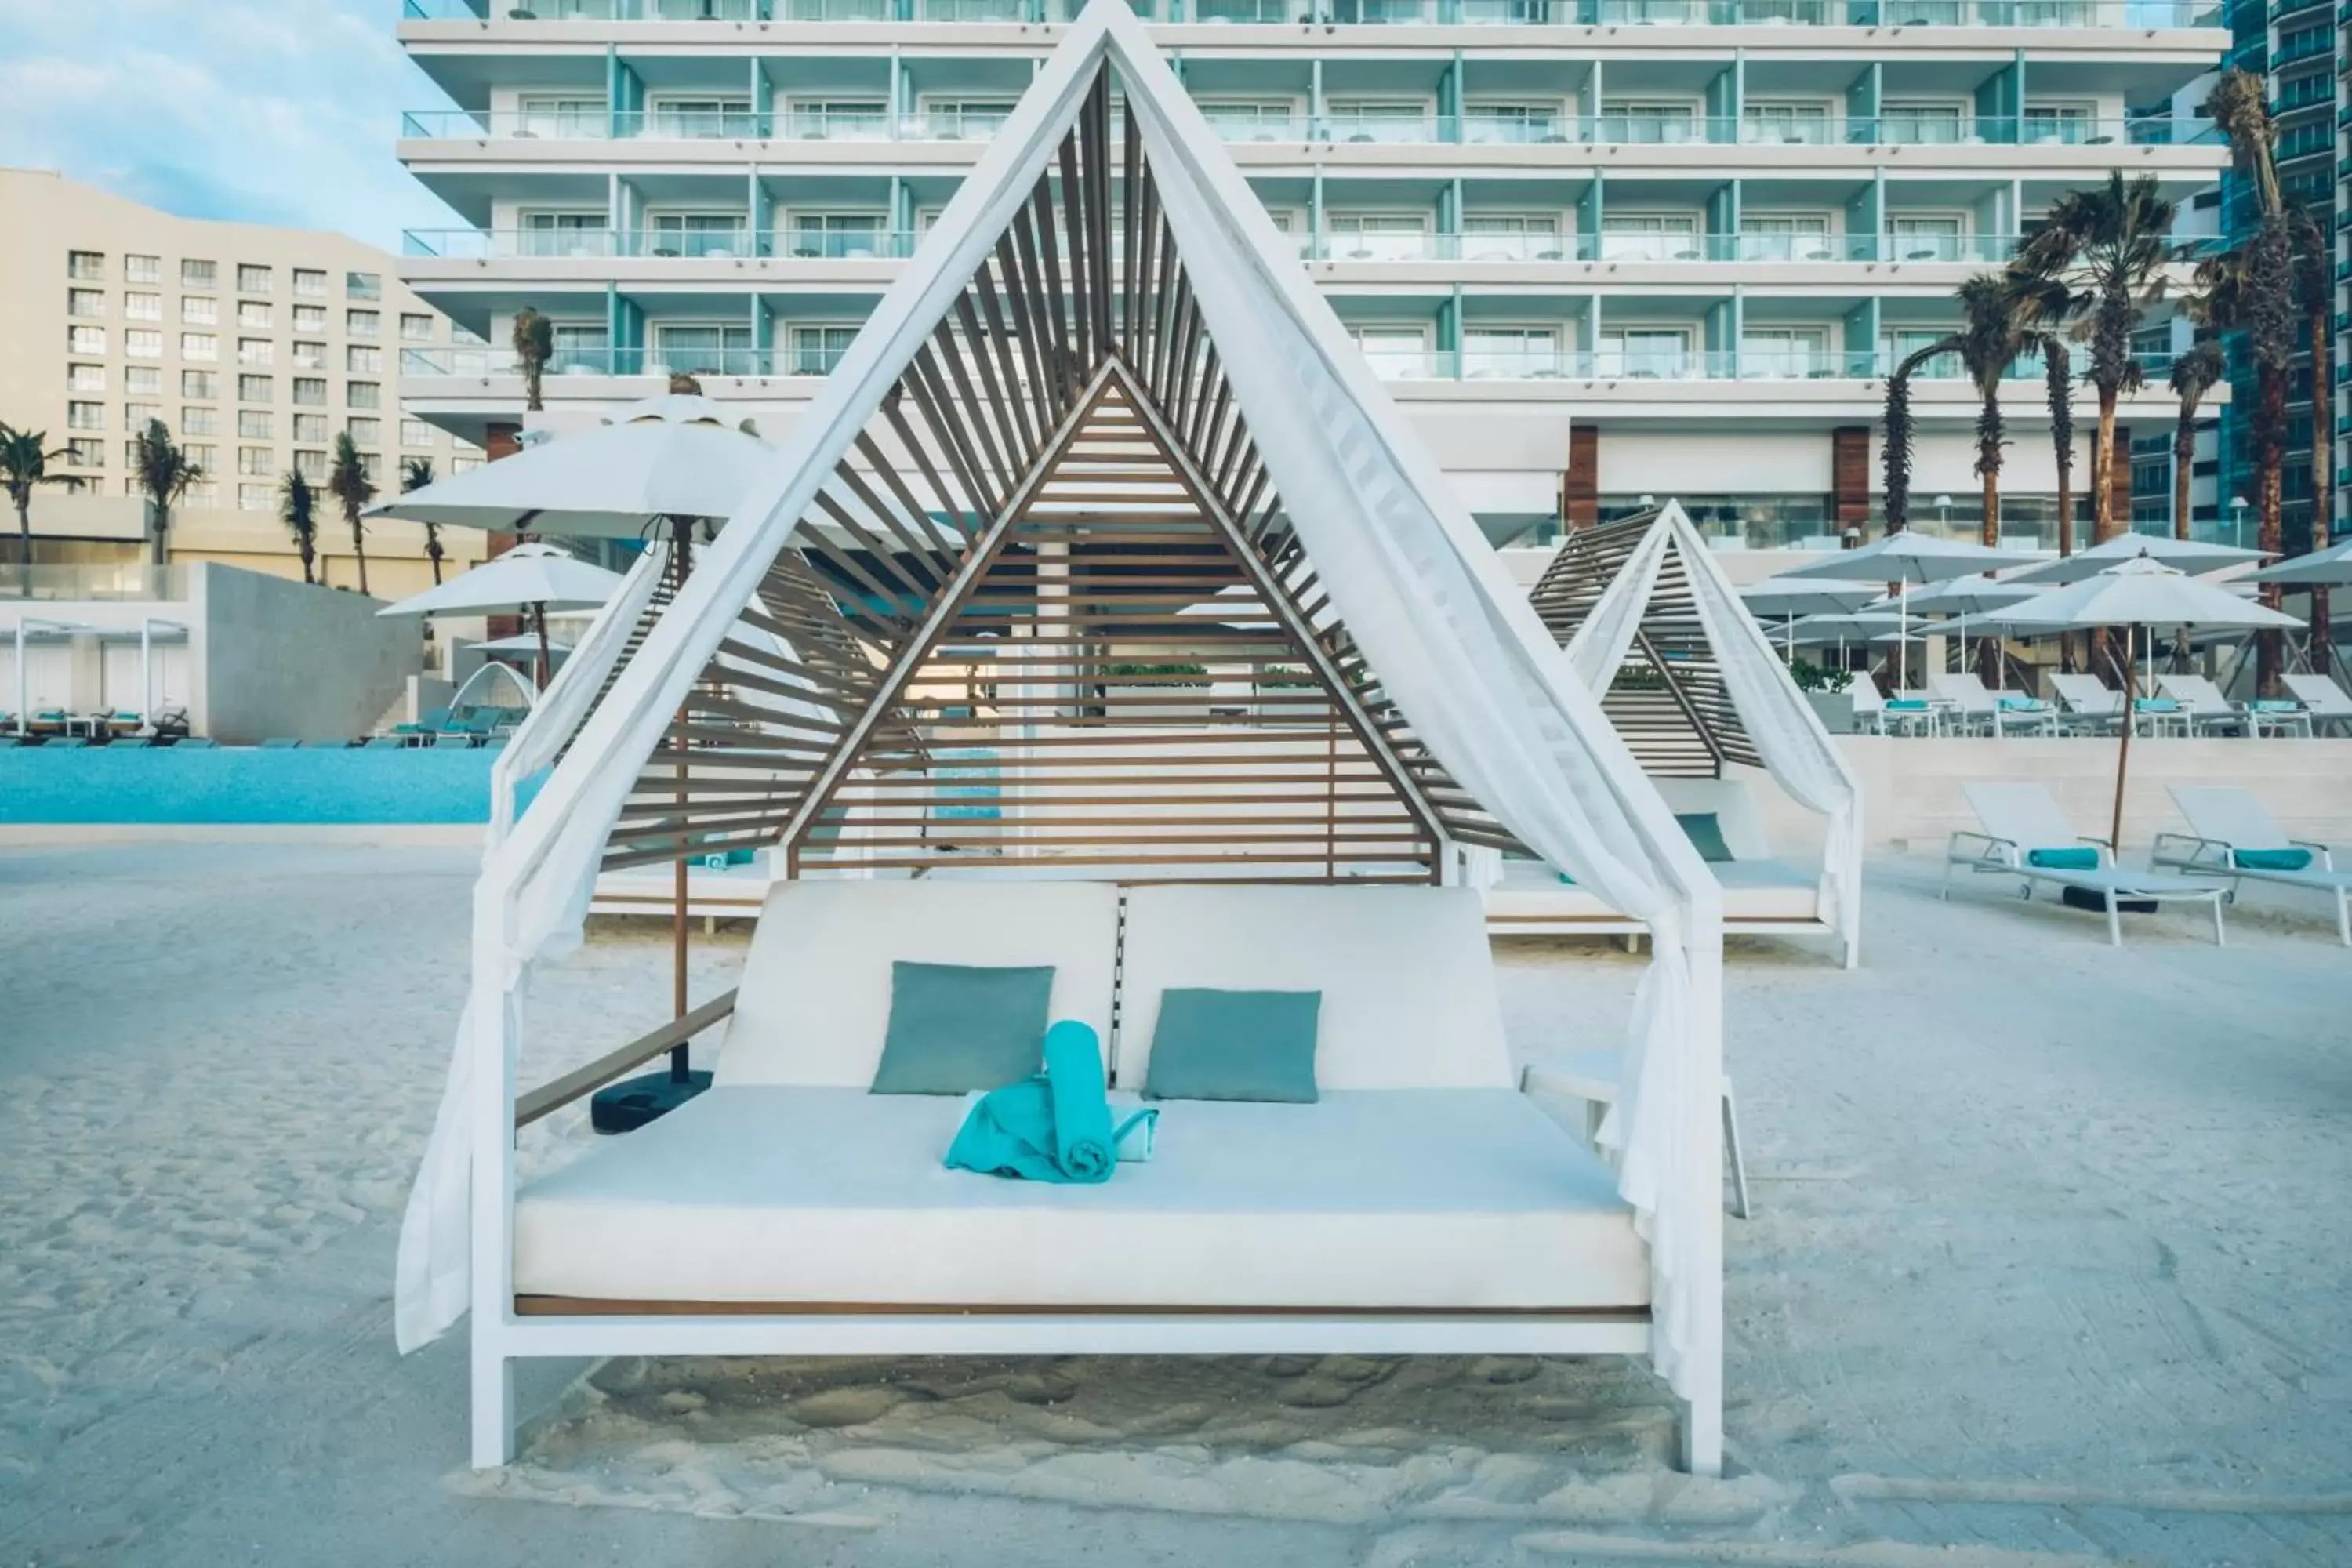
{"x": 1944, "y": 512}
{"x": 2238, "y": 520}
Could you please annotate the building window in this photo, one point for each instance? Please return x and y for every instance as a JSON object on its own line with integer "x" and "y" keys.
{"x": 256, "y": 388}
{"x": 199, "y": 313}
{"x": 252, "y": 279}
{"x": 360, "y": 359}
{"x": 85, "y": 378}
{"x": 366, "y": 431}
{"x": 204, "y": 493}
{"x": 85, "y": 415}
{"x": 143, "y": 380}
{"x": 86, "y": 453}
{"x": 91, "y": 339}
{"x": 416, "y": 328}
{"x": 204, "y": 455}
{"x": 199, "y": 275}
{"x": 142, "y": 269}
{"x": 199, "y": 346}
{"x": 309, "y": 318}
{"x": 816, "y": 350}
{"x": 311, "y": 427}
{"x": 415, "y": 432}
{"x": 255, "y": 461}
{"x": 199, "y": 419}
{"x": 256, "y": 425}
{"x": 463, "y": 465}
{"x": 131, "y": 461}
{"x": 363, "y": 324}
{"x": 256, "y": 351}
{"x": 311, "y": 465}
{"x": 363, "y": 286}
{"x": 363, "y": 395}
{"x": 140, "y": 345}
{"x": 256, "y": 498}
{"x": 254, "y": 315}
{"x": 310, "y": 283}
{"x": 136, "y": 415}
{"x": 87, "y": 303}
{"x": 371, "y": 465}
{"x": 309, "y": 355}
{"x": 199, "y": 383}
{"x": 310, "y": 391}
{"x": 143, "y": 307}
{"x": 85, "y": 266}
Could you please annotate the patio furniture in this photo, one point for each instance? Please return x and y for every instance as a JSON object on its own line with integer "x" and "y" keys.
{"x": 2209, "y": 710}
{"x": 2025, "y": 835}
{"x": 1595, "y": 1077}
{"x": 2231, "y": 836}
{"x": 2090, "y": 705}
{"x": 2325, "y": 703}
{"x": 1980, "y": 711}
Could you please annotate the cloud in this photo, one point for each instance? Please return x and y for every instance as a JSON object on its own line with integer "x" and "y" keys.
{"x": 277, "y": 111}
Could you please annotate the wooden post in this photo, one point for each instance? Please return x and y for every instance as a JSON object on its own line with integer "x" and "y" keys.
{"x": 680, "y": 562}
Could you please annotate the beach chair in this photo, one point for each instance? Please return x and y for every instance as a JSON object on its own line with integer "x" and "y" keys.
{"x": 67, "y": 743}
{"x": 2088, "y": 705}
{"x": 196, "y": 743}
{"x": 279, "y": 743}
{"x": 125, "y": 743}
{"x": 2229, "y": 835}
{"x": 2324, "y": 701}
{"x": 2209, "y": 710}
{"x": 432, "y": 721}
{"x": 384, "y": 743}
{"x": 2024, "y": 835}
{"x": 452, "y": 742}
{"x": 1977, "y": 710}
{"x": 1869, "y": 705}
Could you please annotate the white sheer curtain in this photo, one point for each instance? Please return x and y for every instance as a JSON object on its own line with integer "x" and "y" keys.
{"x": 1472, "y": 668}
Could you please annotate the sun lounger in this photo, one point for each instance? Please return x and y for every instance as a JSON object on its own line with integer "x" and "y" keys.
{"x": 68, "y": 742}
{"x": 1979, "y": 710}
{"x": 2231, "y": 836}
{"x": 2026, "y": 836}
{"x": 384, "y": 743}
{"x": 196, "y": 743}
{"x": 2325, "y": 703}
{"x": 125, "y": 743}
{"x": 2091, "y": 705}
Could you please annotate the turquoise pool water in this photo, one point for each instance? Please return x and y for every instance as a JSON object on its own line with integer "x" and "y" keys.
{"x": 245, "y": 784}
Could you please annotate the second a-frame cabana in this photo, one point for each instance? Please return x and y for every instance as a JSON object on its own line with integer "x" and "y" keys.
{"x": 1652, "y": 626}
{"x": 1102, "y": 614}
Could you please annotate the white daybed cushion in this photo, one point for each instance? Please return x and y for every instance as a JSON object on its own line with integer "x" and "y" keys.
{"x": 1752, "y": 890}
{"x": 814, "y": 1001}
{"x": 1407, "y": 979}
{"x": 1436, "y": 1199}
{"x": 1733, "y": 805}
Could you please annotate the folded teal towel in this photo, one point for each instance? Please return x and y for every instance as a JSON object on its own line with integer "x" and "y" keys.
{"x": 2084, "y": 859}
{"x": 1908, "y": 704}
{"x": 1054, "y": 1126}
{"x": 2274, "y": 705}
{"x": 2023, "y": 705}
{"x": 2271, "y": 859}
{"x": 2156, "y": 705}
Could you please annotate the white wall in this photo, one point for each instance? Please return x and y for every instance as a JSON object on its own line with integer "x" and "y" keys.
{"x": 284, "y": 658}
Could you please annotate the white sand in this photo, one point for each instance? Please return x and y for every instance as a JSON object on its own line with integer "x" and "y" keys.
{"x": 2050, "y": 1268}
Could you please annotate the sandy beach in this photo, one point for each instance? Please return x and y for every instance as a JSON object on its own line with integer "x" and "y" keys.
{"x": 2050, "y": 1268}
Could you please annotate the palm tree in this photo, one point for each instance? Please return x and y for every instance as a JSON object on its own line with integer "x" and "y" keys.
{"x": 1991, "y": 338}
{"x": 2194, "y": 374}
{"x": 24, "y": 463}
{"x": 2314, "y": 287}
{"x": 1895, "y": 450}
{"x": 534, "y": 346}
{"x": 297, "y": 508}
{"x": 349, "y": 483}
{"x": 2058, "y": 393}
{"x": 165, "y": 474}
{"x": 2098, "y": 264}
{"x": 414, "y": 475}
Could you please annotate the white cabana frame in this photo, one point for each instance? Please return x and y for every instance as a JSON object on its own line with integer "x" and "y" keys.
{"x": 1514, "y": 748}
{"x": 1643, "y": 597}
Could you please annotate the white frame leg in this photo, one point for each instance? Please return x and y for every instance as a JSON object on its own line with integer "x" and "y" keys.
{"x": 1702, "y": 1436}
{"x": 1738, "y": 1161}
{"x": 493, "y": 1417}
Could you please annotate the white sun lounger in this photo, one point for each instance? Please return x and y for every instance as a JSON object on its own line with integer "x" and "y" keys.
{"x": 2225, "y": 824}
{"x": 2324, "y": 701}
{"x": 1996, "y": 713}
{"x": 2020, "y": 819}
{"x": 2091, "y": 703}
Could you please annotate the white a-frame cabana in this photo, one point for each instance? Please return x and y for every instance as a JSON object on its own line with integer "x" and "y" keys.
{"x": 1652, "y": 625}
{"x": 1100, "y": 447}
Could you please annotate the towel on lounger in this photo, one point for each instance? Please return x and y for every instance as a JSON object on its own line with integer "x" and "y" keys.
{"x": 1054, "y": 1126}
{"x": 2063, "y": 860}
{"x": 2271, "y": 859}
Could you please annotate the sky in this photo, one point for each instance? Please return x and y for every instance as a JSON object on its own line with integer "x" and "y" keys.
{"x": 276, "y": 111}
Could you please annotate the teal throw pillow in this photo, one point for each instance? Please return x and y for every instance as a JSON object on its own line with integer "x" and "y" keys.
{"x": 955, "y": 1028}
{"x": 1234, "y": 1045}
{"x": 1704, "y": 830}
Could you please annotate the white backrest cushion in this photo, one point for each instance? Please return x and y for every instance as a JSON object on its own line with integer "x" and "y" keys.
{"x": 2228, "y": 814}
{"x": 1863, "y": 689}
{"x": 1408, "y": 984}
{"x": 2024, "y": 814}
{"x": 2087, "y": 694}
{"x": 2319, "y": 693}
{"x": 1733, "y": 805}
{"x": 815, "y": 998}
{"x": 1963, "y": 689}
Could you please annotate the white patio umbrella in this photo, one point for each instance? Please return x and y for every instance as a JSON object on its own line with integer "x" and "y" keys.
{"x": 2187, "y": 555}
{"x": 529, "y": 577}
{"x": 2328, "y": 568}
{"x": 1775, "y": 599}
{"x": 1979, "y": 593}
{"x": 1907, "y": 557}
{"x": 2138, "y": 593}
{"x": 1857, "y": 625}
{"x": 525, "y": 643}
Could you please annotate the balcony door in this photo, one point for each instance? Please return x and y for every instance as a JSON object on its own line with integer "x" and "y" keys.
{"x": 700, "y": 348}
{"x": 1785, "y": 237}
{"x": 838, "y": 235}
{"x": 1512, "y": 237}
{"x": 1520, "y": 353}
{"x": 1649, "y": 237}
{"x": 1392, "y": 350}
{"x": 566, "y": 233}
{"x": 696, "y": 235}
{"x": 1646, "y": 354}
{"x": 1378, "y": 236}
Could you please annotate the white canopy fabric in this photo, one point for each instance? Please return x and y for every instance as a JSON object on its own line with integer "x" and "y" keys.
{"x": 1979, "y": 593}
{"x": 2185, "y": 555}
{"x": 1458, "y": 649}
{"x": 1907, "y": 556}
{"x": 2141, "y": 591}
{"x": 1788, "y": 735}
{"x": 1777, "y": 596}
{"x": 526, "y": 574}
{"x": 2328, "y": 568}
{"x": 667, "y": 456}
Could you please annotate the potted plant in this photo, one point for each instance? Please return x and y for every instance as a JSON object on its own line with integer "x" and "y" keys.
{"x": 1826, "y": 690}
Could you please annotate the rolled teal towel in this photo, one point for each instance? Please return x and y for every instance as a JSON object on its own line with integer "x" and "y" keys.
{"x": 2274, "y": 705}
{"x": 1054, "y": 1126}
{"x": 1907, "y": 704}
{"x": 2156, "y": 705}
{"x": 2063, "y": 860}
{"x": 2271, "y": 859}
{"x": 2023, "y": 705}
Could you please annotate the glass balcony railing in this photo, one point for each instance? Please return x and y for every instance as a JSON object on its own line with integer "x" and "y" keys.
{"x": 2137, "y": 15}
{"x": 110, "y": 581}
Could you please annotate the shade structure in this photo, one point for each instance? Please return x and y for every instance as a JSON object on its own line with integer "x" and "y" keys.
{"x": 1905, "y": 558}
{"x": 523, "y": 643}
{"x": 667, "y": 456}
{"x": 1978, "y": 595}
{"x": 1783, "y": 597}
{"x": 2187, "y": 555}
{"x": 1088, "y": 380}
{"x": 527, "y": 575}
{"x": 2138, "y": 593}
{"x": 2328, "y": 568}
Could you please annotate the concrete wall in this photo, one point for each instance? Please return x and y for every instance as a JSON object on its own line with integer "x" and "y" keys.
{"x": 281, "y": 658}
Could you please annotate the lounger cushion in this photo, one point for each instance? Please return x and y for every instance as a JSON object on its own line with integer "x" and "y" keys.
{"x": 814, "y": 1001}
{"x": 1752, "y": 890}
{"x": 1704, "y": 830}
{"x": 2272, "y": 859}
{"x": 1434, "y": 1199}
{"x": 1234, "y": 1045}
{"x": 1406, "y": 977}
{"x": 956, "y": 1027}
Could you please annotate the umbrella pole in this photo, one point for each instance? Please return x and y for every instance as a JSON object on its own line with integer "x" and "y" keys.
{"x": 681, "y": 549}
{"x": 2123, "y": 753}
{"x": 539, "y": 623}
{"x": 1903, "y": 633}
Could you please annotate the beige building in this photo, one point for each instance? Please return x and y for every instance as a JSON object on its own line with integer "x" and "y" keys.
{"x": 257, "y": 347}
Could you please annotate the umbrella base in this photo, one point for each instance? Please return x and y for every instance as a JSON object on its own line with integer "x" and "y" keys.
{"x": 2095, "y": 902}
{"x": 625, "y": 1106}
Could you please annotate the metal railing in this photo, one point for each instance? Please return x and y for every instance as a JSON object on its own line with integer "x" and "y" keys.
{"x": 837, "y": 244}
{"x": 2139, "y": 15}
{"x": 125, "y": 581}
